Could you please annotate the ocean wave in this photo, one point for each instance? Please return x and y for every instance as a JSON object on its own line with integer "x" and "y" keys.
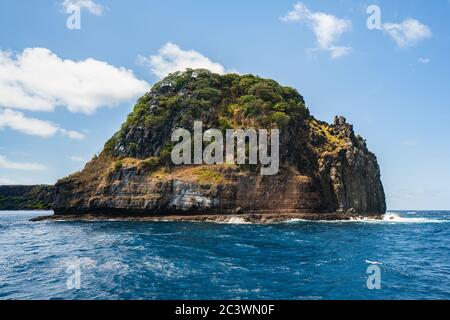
{"x": 236, "y": 220}
{"x": 295, "y": 221}
{"x": 163, "y": 267}
{"x": 373, "y": 262}
{"x": 117, "y": 266}
{"x": 64, "y": 264}
{"x": 389, "y": 217}
{"x": 243, "y": 245}
{"x": 282, "y": 266}
{"x": 396, "y": 218}
{"x": 77, "y": 261}
{"x": 165, "y": 234}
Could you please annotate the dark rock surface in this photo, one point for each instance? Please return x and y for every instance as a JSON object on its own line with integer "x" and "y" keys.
{"x": 323, "y": 168}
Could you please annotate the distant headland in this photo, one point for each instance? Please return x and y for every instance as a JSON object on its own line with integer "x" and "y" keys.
{"x": 32, "y": 197}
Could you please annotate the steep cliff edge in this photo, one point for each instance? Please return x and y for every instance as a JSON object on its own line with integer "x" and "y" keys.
{"x": 323, "y": 168}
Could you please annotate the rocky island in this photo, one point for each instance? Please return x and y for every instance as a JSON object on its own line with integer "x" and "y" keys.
{"x": 326, "y": 171}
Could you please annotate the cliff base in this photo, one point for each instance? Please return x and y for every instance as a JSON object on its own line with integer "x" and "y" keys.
{"x": 226, "y": 218}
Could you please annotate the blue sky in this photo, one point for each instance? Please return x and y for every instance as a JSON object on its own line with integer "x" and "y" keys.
{"x": 392, "y": 83}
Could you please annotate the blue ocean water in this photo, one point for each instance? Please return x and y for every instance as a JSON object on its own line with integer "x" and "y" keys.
{"x": 166, "y": 260}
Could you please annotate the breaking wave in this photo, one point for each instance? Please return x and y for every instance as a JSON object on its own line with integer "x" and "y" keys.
{"x": 396, "y": 218}
{"x": 390, "y": 217}
{"x": 236, "y": 220}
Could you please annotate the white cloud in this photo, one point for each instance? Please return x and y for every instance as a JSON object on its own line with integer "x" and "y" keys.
{"x": 17, "y": 121}
{"x": 77, "y": 159}
{"x": 32, "y": 166}
{"x": 326, "y": 27}
{"x": 72, "y": 134}
{"x": 408, "y": 33}
{"x": 90, "y": 5}
{"x": 38, "y": 80}
{"x": 424, "y": 60}
{"x": 171, "y": 58}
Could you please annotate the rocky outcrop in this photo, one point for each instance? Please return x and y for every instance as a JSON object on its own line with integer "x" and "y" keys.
{"x": 33, "y": 197}
{"x": 324, "y": 168}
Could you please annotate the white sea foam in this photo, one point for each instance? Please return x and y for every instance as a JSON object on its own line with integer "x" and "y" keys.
{"x": 389, "y": 217}
{"x": 237, "y": 220}
{"x": 243, "y": 245}
{"x": 117, "y": 266}
{"x": 396, "y": 218}
{"x": 84, "y": 262}
{"x": 295, "y": 220}
{"x": 373, "y": 262}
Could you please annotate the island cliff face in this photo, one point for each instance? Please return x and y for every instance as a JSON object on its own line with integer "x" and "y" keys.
{"x": 323, "y": 168}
